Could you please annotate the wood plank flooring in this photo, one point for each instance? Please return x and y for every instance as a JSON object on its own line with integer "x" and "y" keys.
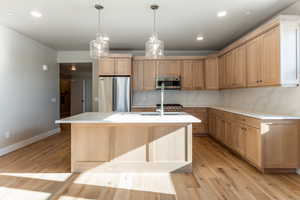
{"x": 42, "y": 171}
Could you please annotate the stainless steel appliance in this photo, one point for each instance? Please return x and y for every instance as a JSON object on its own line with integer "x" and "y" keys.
{"x": 114, "y": 94}
{"x": 169, "y": 82}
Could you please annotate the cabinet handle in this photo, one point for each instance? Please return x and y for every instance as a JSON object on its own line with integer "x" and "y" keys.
{"x": 260, "y": 81}
{"x": 244, "y": 129}
{"x": 257, "y": 81}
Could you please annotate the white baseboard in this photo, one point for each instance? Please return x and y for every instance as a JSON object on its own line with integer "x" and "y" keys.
{"x": 298, "y": 171}
{"x": 28, "y": 141}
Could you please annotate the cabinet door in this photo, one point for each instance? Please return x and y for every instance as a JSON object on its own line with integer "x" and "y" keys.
{"x": 138, "y": 75}
{"x": 198, "y": 75}
{"x": 123, "y": 66}
{"x": 229, "y": 64}
{"x": 106, "y": 66}
{"x": 168, "y": 68}
{"x": 200, "y": 113}
{"x": 239, "y": 68}
{"x": 253, "y": 146}
{"x": 238, "y": 138}
{"x": 228, "y": 134}
{"x": 211, "y": 74}
{"x": 270, "y": 71}
{"x": 187, "y": 75}
{"x": 220, "y": 129}
{"x": 254, "y": 59}
{"x": 149, "y": 74}
{"x": 222, "y": 72}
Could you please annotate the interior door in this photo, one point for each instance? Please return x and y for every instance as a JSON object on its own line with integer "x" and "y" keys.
{"x": 77, "y": 97}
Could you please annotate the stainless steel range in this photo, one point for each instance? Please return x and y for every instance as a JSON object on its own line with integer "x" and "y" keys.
{"x": 170, "y": 107}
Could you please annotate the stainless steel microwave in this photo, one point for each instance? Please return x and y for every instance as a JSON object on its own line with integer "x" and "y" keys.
{"x": 170, "y": 82}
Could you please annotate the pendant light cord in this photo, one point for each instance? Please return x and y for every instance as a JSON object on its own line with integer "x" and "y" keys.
{"x": 154, "y": 23}
{"x": 99, "y": 22}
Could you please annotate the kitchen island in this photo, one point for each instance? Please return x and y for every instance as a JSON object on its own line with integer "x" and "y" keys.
{"x": 131, "y": 142}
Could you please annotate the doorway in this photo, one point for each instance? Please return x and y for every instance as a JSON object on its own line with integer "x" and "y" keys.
{"x": 75, "y": 88}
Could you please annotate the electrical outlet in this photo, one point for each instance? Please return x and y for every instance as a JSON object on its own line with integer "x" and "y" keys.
{"x": 7, "y": 134}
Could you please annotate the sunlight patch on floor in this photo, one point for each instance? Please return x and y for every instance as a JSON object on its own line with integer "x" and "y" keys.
{"x": 19, "y": 194}
{"x": 147, "y": 182}
{"x": 44, "y": 176}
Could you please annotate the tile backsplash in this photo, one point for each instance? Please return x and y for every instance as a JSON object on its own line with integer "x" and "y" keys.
{"x": 186, "y": 98}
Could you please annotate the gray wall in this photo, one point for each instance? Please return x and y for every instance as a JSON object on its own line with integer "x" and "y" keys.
{"x": 26, "y": 109}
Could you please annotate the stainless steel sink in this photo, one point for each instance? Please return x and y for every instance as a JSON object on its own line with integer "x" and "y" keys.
{"x": 158, "y": 114}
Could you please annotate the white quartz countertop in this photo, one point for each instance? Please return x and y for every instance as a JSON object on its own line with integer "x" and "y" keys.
{"x": 119, "y": 117}
{"x": 258, "y": 115}
{"x": 263, "y": 116}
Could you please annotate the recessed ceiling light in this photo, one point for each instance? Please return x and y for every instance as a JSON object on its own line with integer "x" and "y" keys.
{"x": 36, "y": 14}
{"x": 73, "y": 68}
{"x": 222, "y": 13}
{"x": 200, "y": 38}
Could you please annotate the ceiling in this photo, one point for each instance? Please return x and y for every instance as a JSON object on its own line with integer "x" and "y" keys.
{"x": 71, "y": 24}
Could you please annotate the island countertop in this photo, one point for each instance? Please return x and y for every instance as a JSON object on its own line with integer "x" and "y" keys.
{"x": 129, "y": 118}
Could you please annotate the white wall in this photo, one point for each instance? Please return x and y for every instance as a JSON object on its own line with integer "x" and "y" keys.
{"x": 26, "y": 109}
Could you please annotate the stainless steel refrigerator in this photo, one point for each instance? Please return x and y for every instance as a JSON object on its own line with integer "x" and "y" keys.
{"x": 114, "y": 94}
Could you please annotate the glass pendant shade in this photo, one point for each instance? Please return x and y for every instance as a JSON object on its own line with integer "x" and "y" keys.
{"x": 154, "y": 48}
{"x": 100, "y": 46}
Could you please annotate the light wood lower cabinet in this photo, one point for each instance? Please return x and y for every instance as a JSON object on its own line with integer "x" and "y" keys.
{"x": 200, "y": 113}
{"x": 269, "y": 145}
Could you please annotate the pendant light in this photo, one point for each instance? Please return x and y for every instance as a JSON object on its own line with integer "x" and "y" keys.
{"x": 154, "y": 47}
{"x": 99, "y": 47}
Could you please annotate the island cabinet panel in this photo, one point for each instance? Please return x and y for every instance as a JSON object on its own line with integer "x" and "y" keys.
{"x": 85, "y": 141}
{"x": 253, "y": 146}
{"x": 128, "y": 145}
{"x": 211, "y": 74}
{"x": 169, "y": 140}
{"x": 139, "y": 147}
{"x": 168, "y": 68}
{"x": 149, "y": 75}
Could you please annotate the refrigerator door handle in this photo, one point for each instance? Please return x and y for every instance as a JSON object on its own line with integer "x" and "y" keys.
{"x": 115, "y": 93}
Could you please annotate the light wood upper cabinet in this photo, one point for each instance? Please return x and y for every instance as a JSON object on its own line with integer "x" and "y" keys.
{"x": 115, "y": 66}
{"x": 239, "y": 67}
{"x": 187, "y": 76}
{"x": 192, "y": 74}
{"x": 149, "y": 74}
{"x": 198, "y": 75}
{"x": 168, "y": 68}
{"x": 123, "y": 66}
{"x": 270, "y": 70}
{"x": 106, "y": 66}
{"x": 229, "y": 67}
{"x": 254, "y": 59}
{"x": 211, "y": 74}
{"x": 138, "y": 76}
{"x": 222, "y": 72}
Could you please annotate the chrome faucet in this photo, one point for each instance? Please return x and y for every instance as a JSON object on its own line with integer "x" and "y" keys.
{"x": 162, "y": 91}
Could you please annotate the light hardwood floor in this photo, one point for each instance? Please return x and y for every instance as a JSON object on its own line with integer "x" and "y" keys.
{"x": 41, "y": 171}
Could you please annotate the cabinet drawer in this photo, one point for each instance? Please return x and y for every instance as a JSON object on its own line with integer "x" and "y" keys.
{"x": 143, "y": 109}
{"x": 246, "y": 120}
